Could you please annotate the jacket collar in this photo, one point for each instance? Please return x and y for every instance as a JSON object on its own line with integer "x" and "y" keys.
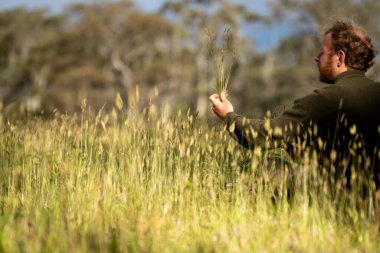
{"x": 348, "y": 74}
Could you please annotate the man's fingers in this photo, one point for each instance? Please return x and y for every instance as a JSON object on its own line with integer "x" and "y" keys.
{"x": 215, "y": 100}
{"x": 213, "y": 97}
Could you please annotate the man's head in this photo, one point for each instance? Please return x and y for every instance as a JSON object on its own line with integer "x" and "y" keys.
{"x": 345, "y": 46}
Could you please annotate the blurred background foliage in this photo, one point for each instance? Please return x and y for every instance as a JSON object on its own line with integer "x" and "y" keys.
{"x": 95, "y": 51}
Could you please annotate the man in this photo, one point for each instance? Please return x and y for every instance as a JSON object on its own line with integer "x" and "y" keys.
{"x": 339, "y": 119}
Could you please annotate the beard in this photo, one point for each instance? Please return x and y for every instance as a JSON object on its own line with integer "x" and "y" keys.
{"x": 326, "y": 74}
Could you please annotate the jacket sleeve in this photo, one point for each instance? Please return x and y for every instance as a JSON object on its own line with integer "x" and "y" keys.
{"x": 320, "y": 108}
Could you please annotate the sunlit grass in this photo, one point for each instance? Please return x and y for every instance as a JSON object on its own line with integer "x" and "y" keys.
{"x": 134, "y": 182}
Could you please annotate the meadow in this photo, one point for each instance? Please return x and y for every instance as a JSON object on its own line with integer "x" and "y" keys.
{"x": 141, "y": 182}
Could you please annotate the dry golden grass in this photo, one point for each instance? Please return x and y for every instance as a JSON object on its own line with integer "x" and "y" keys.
{"x": 128, "y": 183}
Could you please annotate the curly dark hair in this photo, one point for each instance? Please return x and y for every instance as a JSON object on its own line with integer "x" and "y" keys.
{"x": 354, "y": 42}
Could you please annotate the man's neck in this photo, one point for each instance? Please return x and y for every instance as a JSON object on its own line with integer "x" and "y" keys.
{"x": 341, "y": 69}
{"x": 349, "y": 72}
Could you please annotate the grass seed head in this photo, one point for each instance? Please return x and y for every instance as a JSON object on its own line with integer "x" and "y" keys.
{"x": 119, "y": 102}
{"x": 222, "y": 69}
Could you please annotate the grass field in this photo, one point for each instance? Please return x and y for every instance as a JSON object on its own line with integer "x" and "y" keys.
{"x": 138, "y": 183}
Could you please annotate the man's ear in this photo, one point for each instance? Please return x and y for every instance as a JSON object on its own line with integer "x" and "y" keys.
{"x": 341, "y": 58}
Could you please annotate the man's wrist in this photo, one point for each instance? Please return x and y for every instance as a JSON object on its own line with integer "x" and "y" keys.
{"x": 229, "y": 117}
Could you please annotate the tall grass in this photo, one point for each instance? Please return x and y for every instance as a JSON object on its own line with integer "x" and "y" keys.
{"x": 133, "y": 182}
{"x": 222, "y": 60}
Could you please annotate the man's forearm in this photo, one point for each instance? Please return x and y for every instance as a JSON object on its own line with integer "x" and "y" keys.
{"x": 247, "y": 132}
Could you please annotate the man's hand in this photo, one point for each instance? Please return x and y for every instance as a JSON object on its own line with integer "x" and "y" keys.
{"x": 221, "y": 105}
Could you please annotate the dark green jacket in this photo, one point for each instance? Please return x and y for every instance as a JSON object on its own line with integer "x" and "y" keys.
{"x": 335, "y": 114}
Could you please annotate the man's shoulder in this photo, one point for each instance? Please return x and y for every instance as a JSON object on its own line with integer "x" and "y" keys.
{"x": 352, "y": 78}
{"x": 323, "y": 100}
{"x": 328, "y": 92}
{"x": 358, "y": 85}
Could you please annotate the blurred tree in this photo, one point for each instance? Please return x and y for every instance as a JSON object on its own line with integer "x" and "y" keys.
{"x": 118, "y": 46}
{"x": 91, "y": 51}
{"x": 21, "y": 33}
